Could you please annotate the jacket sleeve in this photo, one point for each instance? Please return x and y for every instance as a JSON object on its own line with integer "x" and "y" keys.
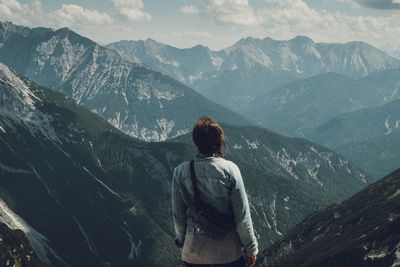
{"x": 241, "y": 212}
{"x": 178, "y": 212}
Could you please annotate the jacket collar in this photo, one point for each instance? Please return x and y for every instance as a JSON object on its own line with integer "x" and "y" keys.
{"x": 204, "y": 156}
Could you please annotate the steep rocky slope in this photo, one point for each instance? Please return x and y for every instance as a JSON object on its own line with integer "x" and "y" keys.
{"x": 361, "y": 231}
{"x": 15, "y": 249}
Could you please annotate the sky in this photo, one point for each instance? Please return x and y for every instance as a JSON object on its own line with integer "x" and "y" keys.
{"x": 215, "y": 23}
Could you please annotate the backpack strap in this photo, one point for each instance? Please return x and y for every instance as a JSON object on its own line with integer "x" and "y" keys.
{"x": 197, "y": 202}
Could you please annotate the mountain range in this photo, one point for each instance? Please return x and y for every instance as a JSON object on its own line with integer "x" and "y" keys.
{"x": 67, "y": 175}
{"x": 137, "y": 100}
{"x": 236, "y": 75}
{"x": 361, "y": 231}
{"x": 359, "y": 126}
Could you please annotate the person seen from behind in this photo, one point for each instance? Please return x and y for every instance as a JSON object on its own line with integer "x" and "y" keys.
{"x": 210, "y": 208}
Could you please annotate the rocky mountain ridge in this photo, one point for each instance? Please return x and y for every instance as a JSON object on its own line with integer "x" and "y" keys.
{"x": 137, "y": 100}
{"x": 236, "y": 75}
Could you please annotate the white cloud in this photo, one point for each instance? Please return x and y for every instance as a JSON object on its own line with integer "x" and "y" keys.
{"x": 284, "y": 19}
{"x": 66, "y": 16}
{"x": 234, "y": 12}
{"x": 7, "y": 7}
{"x": 293, "y": 17}
{"x": 73, "y": 14}
{"x": 190, "y": 9}
{"x": 131, "y": 9}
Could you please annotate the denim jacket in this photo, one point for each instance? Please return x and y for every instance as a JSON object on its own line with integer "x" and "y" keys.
{"x": 221, "y": 187}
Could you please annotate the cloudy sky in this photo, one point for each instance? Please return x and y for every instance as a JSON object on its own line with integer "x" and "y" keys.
{"x": 215, "y": 23}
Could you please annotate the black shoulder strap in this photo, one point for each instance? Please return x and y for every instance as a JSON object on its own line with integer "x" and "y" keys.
{"x": 199, "y": 206}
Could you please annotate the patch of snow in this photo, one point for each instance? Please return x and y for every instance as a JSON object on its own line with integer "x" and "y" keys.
{"x": 192, "y": 78}
{"x": 363, "y": 176}
{"x": 125, "y": 99}
{"x": 100, "y": 182}
{"x": 2, "y": 129}
{"x": 362, "y": 236}
{"x": 272, "y": 207}
{"x": 394, "y": 93}
{"x": 236, "y": 146}
{"x": 133, "y": 210}
{"x": 387, "y": 125}
{"x": 314, "y": 173}
{"x": 265, "y": 223}
{"x": 10, "y": 169}
{"x": 397, "y": 259}
{"x": 325, "y": 155}
{"x": 181, "y": 132}
{"x": 90, "y": 243}
{"x": 397, "y": 124}
{"x": 396, "y": 194}
{"x": 322, "y": 234}
{"x": 216, "y": 60}
{"x": 143, "y": 90}
{"x": 376, "y": 254}
{"x": 164, "y": 61}
{"x": 251, "y": 144}
{"x": 10, "y": 78}
{"x": 135, "y": 249}
{"x": 167, "y": 95}
{"x": 286, "y": 199}
{"x": 17, "y": 106}
{"x": 284, "y": 160}
{"x": 166, "y": 127}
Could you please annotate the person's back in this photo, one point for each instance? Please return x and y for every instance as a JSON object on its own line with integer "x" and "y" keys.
{"x": 221, "y": 188}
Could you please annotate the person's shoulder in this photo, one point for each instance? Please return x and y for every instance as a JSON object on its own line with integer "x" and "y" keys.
{"x": 229, "y": 165}
{"x": 181, "y": 169}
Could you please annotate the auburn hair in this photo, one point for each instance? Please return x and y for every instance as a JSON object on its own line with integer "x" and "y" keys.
{"x": 209, "y": 137}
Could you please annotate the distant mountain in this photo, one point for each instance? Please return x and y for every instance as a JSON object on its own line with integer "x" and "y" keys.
{"x": 135, "y": 99}
{"x": 15, "y": 249}
{"x": 298, "y": 108}
{"x": 386, "y": 82}
{"x": 361, "y": 231}
{"x": 369, "y": 137}
{"x": 377, "y": 155}
{"x": 88, "y": 195}
{"x": 236, "y": 75}
{"x": 358, "y": 126}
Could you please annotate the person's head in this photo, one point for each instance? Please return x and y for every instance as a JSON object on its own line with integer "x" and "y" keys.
{"x": 208, "y": 137}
